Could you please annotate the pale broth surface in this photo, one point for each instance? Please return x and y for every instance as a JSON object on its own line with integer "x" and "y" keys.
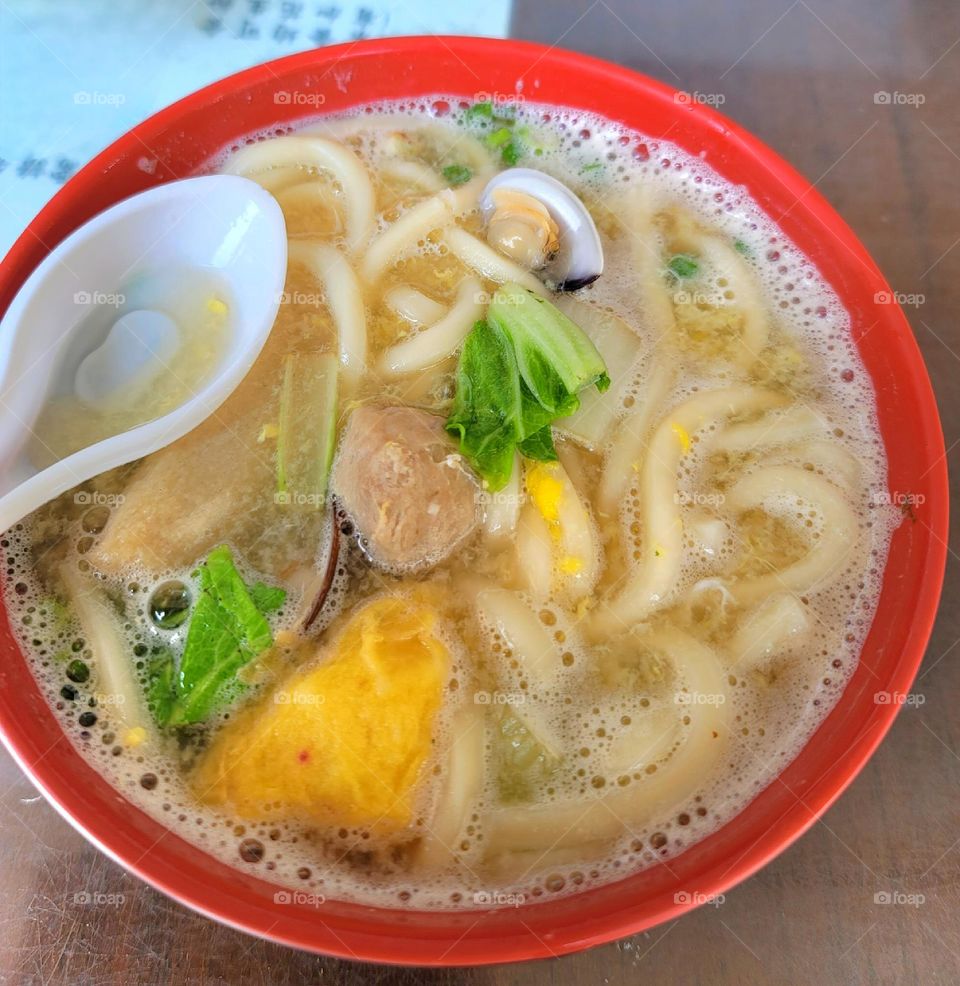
{"x": 716, "y": 530}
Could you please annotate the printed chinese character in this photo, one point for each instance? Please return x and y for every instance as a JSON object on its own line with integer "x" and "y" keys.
{"x": 31, "y": 167}
{"x": 283, "y": 33}
{"x": 62, "y": 170}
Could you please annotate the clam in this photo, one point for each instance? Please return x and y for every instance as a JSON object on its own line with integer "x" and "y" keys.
{"x": 541, "y": 225}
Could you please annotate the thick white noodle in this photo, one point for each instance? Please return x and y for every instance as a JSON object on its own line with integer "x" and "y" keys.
{"x": 501, "y": 510}
{"x": 308, "y": 195}
{"x": 412, "y": 173}
{"x": 516, "y": 866}
{"x": 781, "y": 486}
{"x": 727, "y": 263}
{"x": 562, "y": 558}
{"x": 278, "y": 179}
{"x": 418, "y": 222}
{"x": 344, "y": 299}
{"x": 831, "y": 460}
{"x": 413, "y": 305}
{"x": 464, "y": 149}
{"x": 433, "y": 344}
{"x": 578, "y": 543}
{"x": 533, "y": 647}
{"x": 487, "y": 262}
{"x": 780, "y": 427}
{"x": 655, "y": 576}
{"x": 403, "y": 235}
{"x": 704, "y": 700}
{"x": 465, "y": 198}
{"x": 460, "y": 787}
{"x": 648, "y": 739}
{"x": 535, "y": 552}
{"x": 641, "y": 206}
{"x": 624, "y": 459}
{"x": 766, "y": 631}
{"x": 116, "y": 690}
{"x": 324, "y": 155}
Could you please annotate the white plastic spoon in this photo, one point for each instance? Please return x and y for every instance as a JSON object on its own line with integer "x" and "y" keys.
{"x": 66, "y": 328}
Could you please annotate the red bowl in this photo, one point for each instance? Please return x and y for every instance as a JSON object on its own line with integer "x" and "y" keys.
{"x": 176, "y": 143}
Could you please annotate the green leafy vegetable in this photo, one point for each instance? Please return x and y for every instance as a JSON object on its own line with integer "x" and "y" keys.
{"x": 504, "y": 136}
{"x": 511, "y": 153}
{"x": 504, "y": 140}
{"x": 519, "y": 370}
{"x": 499, "y": 137}
{"x": 227, "y": 630}
{"x": 587, "y": 168}
{"x": 160, "y": 687}
{"x": 479, "y": 111}
{"x": 552, "y": 350}
{"x": 457, "y": 174}
{"x": 487, "y": 405}
{"x": 267, "y": 598}
{"x": 683, "y": 266}
{"x": 743, "y": 248}
{"x": 539, "y": 446}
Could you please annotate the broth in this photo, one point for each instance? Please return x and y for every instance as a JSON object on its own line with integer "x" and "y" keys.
{"x": 555, "y": 683}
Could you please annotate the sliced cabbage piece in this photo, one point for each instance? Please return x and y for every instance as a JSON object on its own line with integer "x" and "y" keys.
{"x": 524, "y": 761}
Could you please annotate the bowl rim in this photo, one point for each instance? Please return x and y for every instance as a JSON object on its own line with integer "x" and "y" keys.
{"x": 823, "y": 790}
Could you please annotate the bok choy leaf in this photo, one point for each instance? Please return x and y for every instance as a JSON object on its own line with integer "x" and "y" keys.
{"x": 519, "y": 370}
{"x": 227, "y": 630}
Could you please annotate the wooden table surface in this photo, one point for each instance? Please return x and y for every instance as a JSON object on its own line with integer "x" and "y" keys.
{"x": 803, "y": 77}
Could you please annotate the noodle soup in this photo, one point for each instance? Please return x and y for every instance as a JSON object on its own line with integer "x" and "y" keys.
{"x": 538, "y": 539}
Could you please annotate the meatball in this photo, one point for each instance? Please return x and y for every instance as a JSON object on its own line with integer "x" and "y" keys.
{"x": 401, "y": 480}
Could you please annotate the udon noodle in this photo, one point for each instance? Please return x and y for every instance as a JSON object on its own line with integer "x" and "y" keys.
{"x": 534, "y": 685}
